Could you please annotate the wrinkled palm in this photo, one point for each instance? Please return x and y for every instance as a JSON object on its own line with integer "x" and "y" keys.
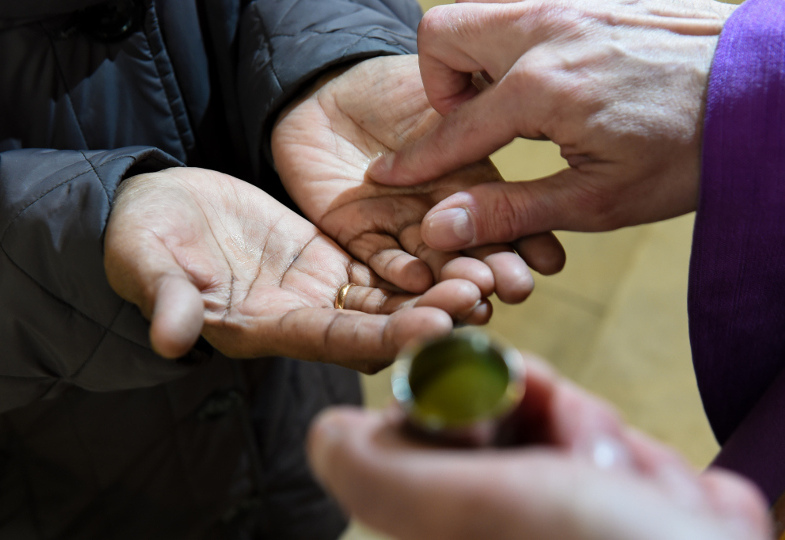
{"x": 202, "y": 252}
{"x": 322, "y": 146}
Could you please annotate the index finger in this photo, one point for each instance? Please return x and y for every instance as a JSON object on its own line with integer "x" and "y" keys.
{"x": 454, "y": 41}
{"x": 472, "y": 132}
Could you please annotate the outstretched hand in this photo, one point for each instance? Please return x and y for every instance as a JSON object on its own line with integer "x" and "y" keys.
{"x": 322, "y": 145}
{"x": 201, "y": 252}
{"x": 618, "y": 85}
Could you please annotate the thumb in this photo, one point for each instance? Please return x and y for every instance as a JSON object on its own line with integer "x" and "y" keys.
{"x": 177, "y": 317}
{"x": 499, "y": 212}
{"x": 147, "y": 275}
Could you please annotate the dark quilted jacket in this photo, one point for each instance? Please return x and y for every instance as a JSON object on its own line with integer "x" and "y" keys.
{"x": 99, "y": 437}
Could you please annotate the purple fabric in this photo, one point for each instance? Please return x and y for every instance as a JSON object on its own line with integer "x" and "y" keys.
{"x": 756, "y": 448}
{"x": 737, "y": 271}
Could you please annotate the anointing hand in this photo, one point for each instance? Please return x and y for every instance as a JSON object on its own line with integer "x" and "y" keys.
{"x": 581, "y": 475}
{"x": 618, "y": 85}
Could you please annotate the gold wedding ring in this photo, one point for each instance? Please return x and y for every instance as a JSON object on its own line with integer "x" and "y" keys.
{"x": 340, "y": 298}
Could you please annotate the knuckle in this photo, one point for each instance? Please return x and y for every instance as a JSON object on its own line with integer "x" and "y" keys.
{"x": 508, "y": 215}
{"x": 432, "y": 24}
{"x": 539, "y": 70}
{"x": 601, "y": 204}
{"x": 554, "y": 18}
{"x": 451, "y": 23}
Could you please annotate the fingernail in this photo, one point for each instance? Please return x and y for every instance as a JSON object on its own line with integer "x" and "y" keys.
{"x": 380, "y": 167}
{"x": 449, "y": 229}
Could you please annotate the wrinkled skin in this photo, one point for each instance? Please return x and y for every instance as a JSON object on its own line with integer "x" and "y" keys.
{"x": 322, "y": 145}
{"x": 201, "y": 252}
{"x": 579, "y": 474}
{"x": 618, "y": 85}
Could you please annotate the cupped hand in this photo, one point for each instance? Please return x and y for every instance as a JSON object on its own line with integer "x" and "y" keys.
{"x": 201, "y": 252}
{"x": 618, "y": 85}
{"x": 322, "y": 145}
{"x": 582, "y": 475}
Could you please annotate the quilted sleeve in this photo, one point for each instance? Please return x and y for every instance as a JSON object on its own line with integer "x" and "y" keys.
{"x": 60, "y": 323}
{"x": 286, "y": 44}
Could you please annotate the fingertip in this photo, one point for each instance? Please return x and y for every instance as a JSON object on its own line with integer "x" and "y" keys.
{"x": 420, "y": 324}
{"x": 542, "y": 252}
{"x": 415, "y": 277}
{"x": 471, "y": 269}
{"x": 480, "y": 313}
{"x": 402, "y": 270}
{"x": 380, "y": 168}
{"x": 500, "y": 212}
{"x": 165, "y": 347}
{"x": 391, "y": 169}
{"x": 454, "y": 297}
{"x": 514, "y": 281}
{"x": 509, "y": 277}
{"x": 466, "y": 303}
{"x": 445, "y": 104}
{"x": 448, "y": 229}
{"x": 177, "y": 318}
{"x": 739, "y": 500}
{"x": 440, "y": 324}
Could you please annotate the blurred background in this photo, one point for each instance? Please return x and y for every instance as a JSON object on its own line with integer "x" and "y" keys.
{"x": 614, "y": 320}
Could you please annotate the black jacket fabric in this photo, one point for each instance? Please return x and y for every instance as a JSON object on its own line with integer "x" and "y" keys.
{"x": 99, "y": 437}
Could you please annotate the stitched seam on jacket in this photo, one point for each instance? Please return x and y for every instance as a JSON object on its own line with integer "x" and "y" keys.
{"x": 67, "y": 180}
{"x": 181, "y": 130}
{"x": 50, "y": 293}
{"x": 44, "y": 194}
{"x": 268, "y": 39}
{"x": 107, "y": 329}
{"x": 282, "y": 17}
{"x": 95, "y": 171}
{"x": 356, "y": 41}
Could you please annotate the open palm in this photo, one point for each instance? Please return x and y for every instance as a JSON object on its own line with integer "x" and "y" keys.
{"x": 322, "y": 145}
{"x": 202, "y": 252}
